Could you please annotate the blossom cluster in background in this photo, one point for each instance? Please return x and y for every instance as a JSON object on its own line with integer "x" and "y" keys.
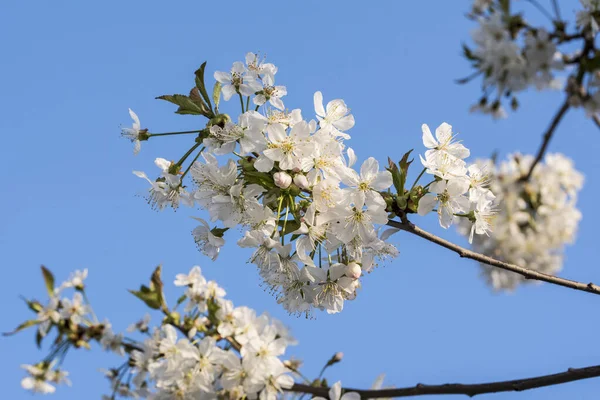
{"x": 513, "y": 55}
{"x": 536, "y": 219}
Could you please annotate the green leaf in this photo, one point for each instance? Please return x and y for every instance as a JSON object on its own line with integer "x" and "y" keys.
{"x": 217, "y": 95}
{"x": 393, "y": 168}
{"x": 404, "y": 164}
{"x": 188, "y": 105}
{"x": 196, "y": 97}
{"x": 24, "y": 325}
{"x": 200, "y": 83}
{"x": 156, "y": 285}
{"x": 49, "y": 280}
{"x": 148, "y": 296}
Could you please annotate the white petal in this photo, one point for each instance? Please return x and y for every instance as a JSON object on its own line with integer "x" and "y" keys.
{"x": 222, "y": 77}
{"x": 443, "y": 133}
{"x": 428, "y": 139}
{"x": 318, "y": 101}
{"x": 446, "y": 215}
{"x": 163, "y": 164}
{"x": 382, "y": 181}
{"x": 369, "y": 169}
{"x": 345, "y": 123}
{"x": 228, "y": 91}
{"x": 136, "y": 120}
{"x": 351, "y": 156}
{"x": 426, "y": 204}
{"x": 336, "y": 391}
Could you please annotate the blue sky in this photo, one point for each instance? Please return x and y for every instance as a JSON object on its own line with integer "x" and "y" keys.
{"x": 71, "y": 69}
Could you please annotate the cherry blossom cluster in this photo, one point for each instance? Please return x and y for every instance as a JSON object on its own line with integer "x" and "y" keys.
{"x": 459, "y": 190}
{"x": 210, "y": 349}
{"x": 65, "y": 314}
{"x": 511, "y": 56}
{"x": 536, "y": 218}
{"x": 313, "y": 219}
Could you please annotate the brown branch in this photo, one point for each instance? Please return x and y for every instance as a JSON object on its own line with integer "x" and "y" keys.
{"x": 596, "y": 120}
{"x": 525, "y": 272}
{"x": 516, "y": 385}
{"x": 546, "y": 138}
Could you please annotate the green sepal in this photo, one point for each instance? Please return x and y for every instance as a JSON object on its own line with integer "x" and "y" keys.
{"x": 290, "y": 226}
{"x": 218, "y": 232}
{"x": 260, "y": 178}
{"x": 38, "y": 339}
{"x": 181, "y": 299}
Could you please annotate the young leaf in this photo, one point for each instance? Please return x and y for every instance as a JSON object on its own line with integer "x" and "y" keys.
{"x": 49, "y": 280}
{"x": 404, "y": 164}
{"x": 187, "y": 105}
{"x": 200, "y": 83}
{"x": 156, "y": 285}
{"x": 147, "y": 296}
{"x": 393, "y": 168}
{"x": 22, "y": 326}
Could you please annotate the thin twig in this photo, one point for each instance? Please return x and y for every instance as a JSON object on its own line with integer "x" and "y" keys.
{"x": 556, "y": 10}
{"x": 525, "y": 272}
{"x": 547, "y": 136}
{"x": 596, "y": 120}
{"x": 541, "y": 9}
{"x": 516, "y": 385}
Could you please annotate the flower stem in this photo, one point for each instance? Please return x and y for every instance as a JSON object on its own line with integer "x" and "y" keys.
{"x": 278, "y": 216}
{"x": 190, "y": 151}
{"x": 417, "y": 180}
{"x": 192, "y": 163}
{"x": 173, "y": 133}
{"x": 241, "y": 101}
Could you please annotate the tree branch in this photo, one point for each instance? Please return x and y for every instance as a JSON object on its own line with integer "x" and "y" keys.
{"x": 516, "y": 385}
{"x": 525, "y": 272}
{"x": 546, "y": 138}
{"x": 596, "y": 120}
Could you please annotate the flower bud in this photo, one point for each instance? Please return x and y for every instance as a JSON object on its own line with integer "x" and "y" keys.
{"x": 301, "y": 181}
{"x": 353, "y": 270}
{"x": 337, "y": 357}
{"x": 282, "y": 180}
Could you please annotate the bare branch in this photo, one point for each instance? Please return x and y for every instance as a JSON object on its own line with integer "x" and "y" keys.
{"x": 547, "y": 136}
{"x": 596, "y": 120}
{"x": 525, "y": 272}
{"x": 517, "y": 385}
